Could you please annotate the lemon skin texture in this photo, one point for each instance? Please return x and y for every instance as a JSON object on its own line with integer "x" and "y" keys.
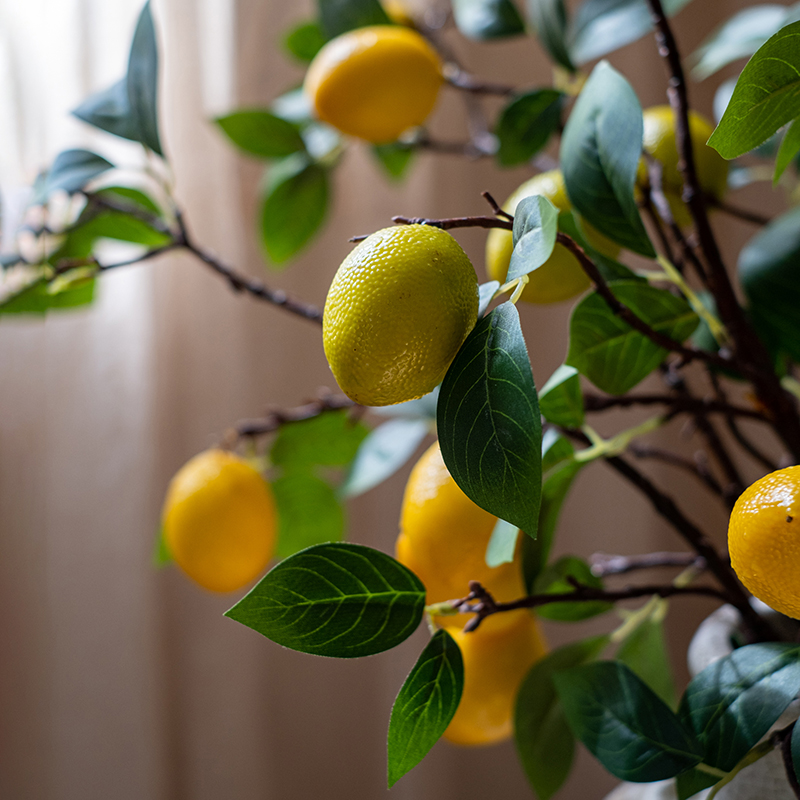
{"x": 443, "y": 539}
{"x": 398, "y": 309}
{"x": 764, "y": 540}
{"x": 375, "y": 82}
{"x": 561, "y": 277}
{"x": 495, "y": 663}
{"x": 659, "y": 142}
{"x": 219, "y": 521}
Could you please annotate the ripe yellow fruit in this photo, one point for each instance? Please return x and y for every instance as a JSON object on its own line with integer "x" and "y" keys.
{"x": 764, "y": 540}
{"x": 219, "y": 521}
{"x": 495, "y": 663}
{"x": 561, "y": 276}
{"x": 443, "y": 539}
{"x": 399, "y": 308}
{"x": 375, "y": 82}
{"x": 659, "y": 142}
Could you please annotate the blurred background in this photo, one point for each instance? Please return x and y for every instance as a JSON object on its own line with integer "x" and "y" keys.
{"x": 121, "y": 681}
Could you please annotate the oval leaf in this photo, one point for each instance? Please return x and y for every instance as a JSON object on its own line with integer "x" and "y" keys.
{"x": 261, "y": 134}
{"x": 561, "y": 398}
{"x": 142, "y": 81}
{"x": 502, "y": 544}
{"x": 340, "y": 600}
{"x": 534, "y": 235}
{"x": 488, "y": 420}
{"x": 487, "y": 19}
{"x": 73, "y": 169}
{"x": 549, "y": 19}
{"x": 526, "y": 124}
{"x": 331, "y": 439}
{"x": 425, "y": 705}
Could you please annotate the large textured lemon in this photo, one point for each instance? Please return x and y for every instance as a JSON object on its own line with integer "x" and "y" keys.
{"x": 219, "y": 521}
{"x": 375, "y": 82}
{"x": 561, "y": 276}
{"x": 443, "y": 539}
{"x": 399, "y": 308}
{"x": 659, "y": 142}
{"x": 764, "y": 540}
{"x": 495, "y": 663}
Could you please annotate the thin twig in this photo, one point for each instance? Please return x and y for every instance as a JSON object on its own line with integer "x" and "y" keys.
{"x": 739, "y": 213}
{"x": 689, "y": 405}
{"x": 457, "y": 222}
{"x": 676, "y": 460}
{"x": 460, "y": 79}
{"x": 603, "y": 564}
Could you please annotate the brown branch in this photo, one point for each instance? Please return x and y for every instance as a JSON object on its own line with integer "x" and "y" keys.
{"x": 698, "y": 469}
{"x": 469, "y": 149}
{"x": 249, "y": 428}
{"x": 739, "y": 213}
{"x": 690, "y": 405}
{"x": 460, "y": 79}
{"x": 603, "y": 564}
{"x": 457, "y": 222}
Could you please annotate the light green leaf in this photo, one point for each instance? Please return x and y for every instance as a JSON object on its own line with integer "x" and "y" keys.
{"x": 330, "y": 439}
{"x": 395, "y": 158}
{"x": 549, "y": 19}
{"x": 534, "y": 235}
{"x": 36, "y": 297}
{"x": 502, "y": 544}
{"x": 261, "y": 134}
{"x": 561, "y": 398}
{"x": 486, "y": 295}
{"x": 305, "y": 40}
{"x": 790, "y": 147}
{"x": 526, "y": 124}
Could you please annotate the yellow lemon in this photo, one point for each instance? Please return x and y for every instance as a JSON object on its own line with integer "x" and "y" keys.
{"x": 495, "y": 663}
{"x": 443, "y": 539}
{"x": 561, "y": 276}
{"x": 659, "y": 142}
{"x": 375, "y": 82}
{"x": 764, "y": 540}
{"x": 219, "y": 521}
{"x": 399, "y": 308}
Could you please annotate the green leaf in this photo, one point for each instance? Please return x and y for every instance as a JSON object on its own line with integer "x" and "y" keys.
{"x": 544, "y": 741}
{"x": 549, "y": 19}
{"x": 733, "y": 702}
{"x": 128, "y": 196}
{"x": 486, "y": 295}
{"x": 790, "y": 147}
{"x": 305, "y": 40}
{"x": 425, "y": 705}
{"x": 161, "y": 555}
{"x": 308, "y": 513}
{"x": 602, "y": 26}
{"x": 526, "y": 124}
{"x": 487, "y": 19}
{"x": 608, "y": 351}
{"x": 331, "y": 439}
{"x": 600, "y": 152}
{"x": 261, "y": 134}
{"x": 394, "y": 157}
{"x": 340, "y": 600}
{"x": 624, "y": 723}
{"x": 689, "y": 783}
{"x": 340, "y": 16}
{"x": 73, "y": 169}
{"x": 769, "y": 277}
{"x": 105, "y": 224}
{"x": 534, "y": 235}
{"x": 561, "y": 398}
{"x": 294, "y": 206}
{"x": 553, "y": 580}
{"x": 502, "y": 544}
{"x": 38, "y": 298}
{"x": 489, "y": 424}
{"x": 766, "y": 97}
{"x": 383, "y": 452}
{"x": 110, "y": 111}
{"x": 795, "y": 750}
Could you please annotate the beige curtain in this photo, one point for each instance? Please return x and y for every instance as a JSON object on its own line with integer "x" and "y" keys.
{"x": 120, "y": 681}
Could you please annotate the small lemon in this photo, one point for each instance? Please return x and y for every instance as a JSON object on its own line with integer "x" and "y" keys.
{"x": 375, "y": 82}
{"x": 659, "y": 142}
{"x": 764, "y": 540}
{"x": 561, "y": 276}
{"x": 399, "y": 308}
{"x": 219, "y": 521}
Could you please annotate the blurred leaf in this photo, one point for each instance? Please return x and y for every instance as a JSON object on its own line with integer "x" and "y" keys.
{"x": 161, "y": 555}
{"x": 502, "y": 544}
{"x": 489, "y": 424}
{"x": 790, "y": 147}
{"x": 553, "y": 580}
{"x": 549, "y": 19}
{"x": 422, "y": 408}
{"x": 73, "y": 169}
{"x": 561, "y": 398}
{"x": 36, "y": 298}
{"x": 600, "y": 152}
{"x": 330, "y": 439}
{"x": 261, "y": 134}
{"x": 795, "y": 750}
{"x": 129, "y": 196}
{"x": 487, "y": 19}
{"x": 394, "y": 157}
{"x": 340, "y": 16}
{"x": 305, "y": 40}
{"x": 526, "y": 124}
{"x": 766, "y": 97}
{"x": 340, "y": 600}
{"x": 534, "y": 235}
{"x": 294, "y": 206}
{"x": 308, "y": 513}
{"x": 425, "y": 705}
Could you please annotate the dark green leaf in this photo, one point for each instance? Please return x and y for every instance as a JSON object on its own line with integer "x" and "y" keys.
{"x": 561, "y": 398}
{"x": 331, "y": 439}
{"x": 555, "y": 450}
{"x": 261, "y": 134}
{"x": 526, "y": 125}
{"x": 425, "y": 705}
{"x": 689, "y": 783}
{"x": 161, "y": 555}
{"x": 732, "y": 703}
{"x": 339, "y": 16}
{"x": 544, "y": 741}
{"x": 553, "y": 580}
{"x": 110, "y": 111}
{"x": 487, "y": 19}
{"x": 790, "y": 147}
{"x": 142, "y": 81}
{"x": 766, "y": 97}
{"x": 129, "y": 197}
{"x": 294, "y": 206}
{"x": 624, "y": 723}
{"x": 549, "y": 19}
{"x": 308, "y": 513}
{"x": 394, "y": 157}
{"x": 489, "y": 424}
{"x": 502, "y": 544}
{"x": 795, "y": 750}
{"x": 383, "y": 452}
{"x": 340, "y": 600}
{"x": 304, "y": 41}
{"x": 600, "y": 152}
{"x": 73, "y": 169}
{"x": 38, "y": 297}
{"x": 534, "y": 235}
{"x": 608, "y": 351}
